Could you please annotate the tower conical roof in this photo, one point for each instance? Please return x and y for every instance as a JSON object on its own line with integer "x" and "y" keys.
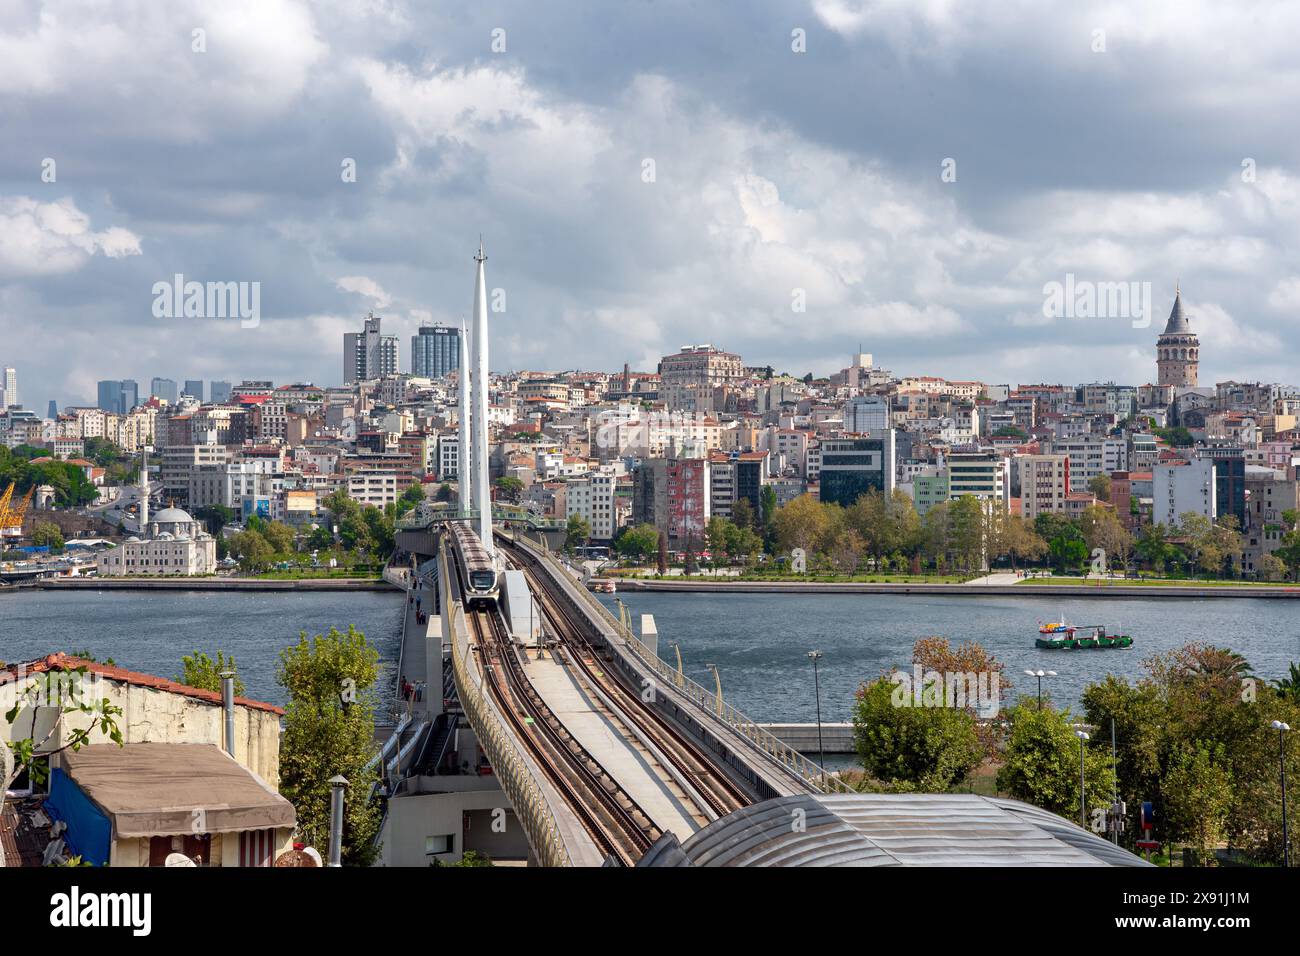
{"x": 1177, "y": 324}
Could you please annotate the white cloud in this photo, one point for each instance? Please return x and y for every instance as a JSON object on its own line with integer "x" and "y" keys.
{"x": 48, "y": 238}
{"x": 365, "y": 286}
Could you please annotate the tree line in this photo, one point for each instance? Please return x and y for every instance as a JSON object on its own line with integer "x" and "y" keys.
{"x": 1193, "y": 735}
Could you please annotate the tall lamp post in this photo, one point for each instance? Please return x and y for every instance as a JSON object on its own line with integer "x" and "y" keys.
{"x": 815, "y": 656}
{"x": 680, "y": 678}
{"x": 1083, "y": 786}
{"x": 1281, "y": 729}
{"x": 1040, "y": 674}
{"x": 717, "y": 680}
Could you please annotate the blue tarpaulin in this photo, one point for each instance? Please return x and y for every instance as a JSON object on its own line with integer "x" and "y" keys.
{"x": 90, "y": 834}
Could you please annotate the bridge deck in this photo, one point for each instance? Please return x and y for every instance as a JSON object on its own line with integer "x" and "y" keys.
{"x": 617, "y": 749}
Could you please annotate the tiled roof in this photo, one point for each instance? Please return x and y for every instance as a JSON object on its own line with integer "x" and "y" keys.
{"x": 64, "y": 662}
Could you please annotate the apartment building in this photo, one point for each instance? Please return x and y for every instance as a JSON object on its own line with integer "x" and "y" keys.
{"x": 1044, "y": 483}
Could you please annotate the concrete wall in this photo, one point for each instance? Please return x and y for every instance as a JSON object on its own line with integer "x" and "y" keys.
{"x": 150, "y": 715}
{"x": 413, "y": 817}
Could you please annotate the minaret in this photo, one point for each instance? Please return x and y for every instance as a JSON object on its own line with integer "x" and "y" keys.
{"x": 465, "y": 467}
{"x": 479, "y": 415}
{"x": 1178, "y": 350}
{"x": 144, "y": 492}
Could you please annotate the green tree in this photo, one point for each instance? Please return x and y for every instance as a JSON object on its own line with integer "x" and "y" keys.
{"x": 1011, "y": 537}
{"x": 966, "y": 530}
{"x": 252, "y": 550}
{"x": 510, "y": 488}
{"x": 638, "y": 543}
{"x": 1153, "y": 546}
{"x": 47, "y": 534}
{"x": 742, "y": 514}
{"x": 802, "y": 523}
{"x": 929, "y": 749}
{"x": 412, "y": 496}
{"x": 1195, "y": 719}
{"x": 1065, "y": 542}
{"x": 1041, "y": 761}
{"x": 1099, "y": 485}
{"x": 1101, "y": 528}
{"x": 1198, "y": 799}
{"x": 329, "y": 729}
{"x": 279, "y": 536}
{"x": 576, "y": 532}
{"x": 767, "y": 512}
{"x": 717, "y": 535}
{"x": 199, "y": 670}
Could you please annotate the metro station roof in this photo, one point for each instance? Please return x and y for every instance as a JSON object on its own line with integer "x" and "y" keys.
{"x": 877, "y": 829}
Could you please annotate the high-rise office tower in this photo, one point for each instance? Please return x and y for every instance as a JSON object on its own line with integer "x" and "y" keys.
{"x": 163, "y": 389}
{"x": 368, "y": 354}
{"x": 194, "y": 388}
{"x": 54, "y": 409}
{"x": 219, "y": 392}
{"x": 435, "y": 351}
{"x": 10, "y": 386}
{"x": 118, "y": 396}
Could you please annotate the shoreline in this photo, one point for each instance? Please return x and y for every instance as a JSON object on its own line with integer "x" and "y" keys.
{"x": 963, "y": 590}
{"x": 211, "y": 584}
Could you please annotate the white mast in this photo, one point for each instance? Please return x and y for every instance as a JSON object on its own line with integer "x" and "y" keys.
{"x": 482, "y": 488}
{"x": 465, "y": 465}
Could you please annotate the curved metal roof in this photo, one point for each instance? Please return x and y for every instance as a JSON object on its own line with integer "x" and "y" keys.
{"x": 876, "y": 829}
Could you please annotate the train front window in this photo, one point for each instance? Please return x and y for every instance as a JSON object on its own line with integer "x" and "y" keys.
{"x": 482, "y": 580}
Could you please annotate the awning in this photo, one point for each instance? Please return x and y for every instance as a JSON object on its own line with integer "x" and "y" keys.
{"x": 171, "y": 789}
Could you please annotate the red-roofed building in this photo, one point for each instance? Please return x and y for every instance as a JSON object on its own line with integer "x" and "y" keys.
{"x": 169, "y": 786}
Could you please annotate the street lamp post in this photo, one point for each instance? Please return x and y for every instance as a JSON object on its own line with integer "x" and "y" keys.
{"x": 717, "y": 680}
{"x": 680, "y": 679}
{"x": 1040, "y": 674}
{"x": 1083, "y": 786}
{"x": 1281, "y": 729}
{"x": 815, "y": 656}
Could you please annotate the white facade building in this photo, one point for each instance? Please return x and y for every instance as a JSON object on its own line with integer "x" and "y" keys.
{"x": 1177, "y": 489}
{"x": 173, "y": 543}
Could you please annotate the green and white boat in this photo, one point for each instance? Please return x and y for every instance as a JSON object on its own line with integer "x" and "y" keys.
{"x": 1078, "y": 637}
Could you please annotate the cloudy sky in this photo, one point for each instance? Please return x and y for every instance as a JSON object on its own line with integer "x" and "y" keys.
{"x": 647, "y": 175}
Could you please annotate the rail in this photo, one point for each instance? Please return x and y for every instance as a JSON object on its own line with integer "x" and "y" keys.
{"x": 809, "y": 771}
{"x": 509, "y": 765}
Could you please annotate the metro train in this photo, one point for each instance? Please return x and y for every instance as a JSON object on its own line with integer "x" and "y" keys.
{"x": 480, "y": 581}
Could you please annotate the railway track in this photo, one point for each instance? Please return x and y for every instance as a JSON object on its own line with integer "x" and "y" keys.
{"x": 719, "y": 793}
{"x": 615, "y": 822}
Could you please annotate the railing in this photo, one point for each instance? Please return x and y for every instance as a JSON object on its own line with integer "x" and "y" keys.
{"x": 809, "y": 771}
{"x": 397, "y": 577}
{"x": 420, "y": 518}
{"x": 508, "y": 763}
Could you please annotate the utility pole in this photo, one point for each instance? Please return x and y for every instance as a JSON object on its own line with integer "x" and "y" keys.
{"x": 815, "y": 656}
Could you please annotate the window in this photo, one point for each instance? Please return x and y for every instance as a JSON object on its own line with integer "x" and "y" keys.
{"x": 442, "y": 843}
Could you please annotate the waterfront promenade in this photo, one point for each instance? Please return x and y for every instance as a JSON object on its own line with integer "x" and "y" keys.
{"x": 994, "y": 585}
{"x": 211, "y": 584}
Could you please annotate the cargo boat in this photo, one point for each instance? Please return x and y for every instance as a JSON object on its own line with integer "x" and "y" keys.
{"x": 1071, "y": 637}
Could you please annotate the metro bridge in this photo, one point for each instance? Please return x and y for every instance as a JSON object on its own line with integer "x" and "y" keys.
{"x": 609, "y": 756}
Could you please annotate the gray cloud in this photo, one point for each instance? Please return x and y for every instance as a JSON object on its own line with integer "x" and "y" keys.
{"x": 774, "y": 172}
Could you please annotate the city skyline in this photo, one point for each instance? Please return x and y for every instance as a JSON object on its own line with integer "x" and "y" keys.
{"x": 639, "y": 201}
